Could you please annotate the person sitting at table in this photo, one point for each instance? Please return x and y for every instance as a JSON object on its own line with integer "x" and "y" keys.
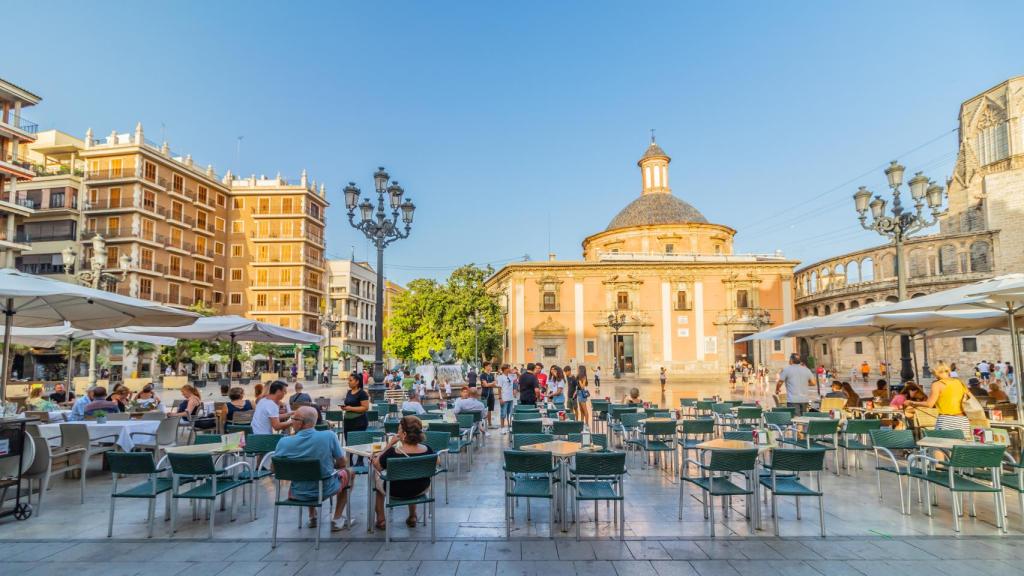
{"x": 947, "y": 395}
{"x": 407, "y": 442}
{"x": 100, "y": 403}
{"x": 299, "y": 395}
{"x": 974, "y": 385}
{"x": 467, "y": 402}
{"x": 413, "y": 403}
{"x": 78, "y": 408}
{"x": 147, "y": 397}
{"x": 910, "y": 391}
{"x": 35, "y": 400}
{"x": 190, "y": 405}
{"x": 237, "y": 402}
{"x": 322, "y": 445}
{"x": 257, "y": 392}
{"x": 60, "y": 395}
{"x": 225, "y": 389}
{"x": 633, "y": 397}
{"x": 120, "y": 395}
{"x": 268, "y": 417}
{"x": 837, "y": 390}
{"x": 852, "y": 399}
{"x": 996, "y": 394}
{"x": 881, "y": 391}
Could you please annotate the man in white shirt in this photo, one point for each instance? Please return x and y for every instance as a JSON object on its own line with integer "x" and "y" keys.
{"x": 268, "y": 418}
{"x": 506, "y": 390}
{"x": 413, "y": 403}
{"x": 797, "y": 378}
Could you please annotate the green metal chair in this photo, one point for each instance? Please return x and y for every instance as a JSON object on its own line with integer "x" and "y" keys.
{"x": 693, "y": 431}
{"x": 457, "y": 444}
{"x": 615, "y": 426}
{"x": 563, "y": 429}
{"x": 656, "y": 438}
{"x": 885, "y": 443}
{"x": 358, "y": 437}
{"x": 851, "y": 439}
{"x": 791, "y": 462}
{"x": 598, "y": 476}
{"x": 716, "y": 480}
{"x": 964, "y": 461}
{"x": 781, "y": 421}
{"x": 258, "y": 447}
{"x": 467, "y": 425}
{"x": 520, "y": 440}
{"x": 373, "y": 419}
{"x": 528, "y": 475}
{"x": 1014, "y": 479}
{"x": 335, "y": 418}
{"x": 410, "y": 468}
{"x": 703, "y": 407}
{"x": 950, "y": 434}
{"x": 820, "y": 433}
{"x": 298, "y": 470}
{"x": 244, "y": 428}
{"x": 207, "y": 439}
{"x": 527, "y": 427}
{"x": 431, "y": 417}
{"x": 748, "y": 417}
{"x": 136, "y": 464}
{"x": 744, "y": 435}
{"x": 627, "y": 427}
{"x": 207, "y": 481}
{"x": 599, "y": 412}
{"x": 439, "y": 441}
{"x": 391, "y": 427}
{"x": 595, "y": 439}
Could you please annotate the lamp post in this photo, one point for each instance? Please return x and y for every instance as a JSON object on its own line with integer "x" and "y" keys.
{"x": 476, "y": 322}
{"x": 898, "y": 226}
{"x": 760, "y": 318}
{"x": 329, "y": 321}
{"x": 95, "y": 277}
{"x": 615, "y": 322}
{"x": 381, "y": 229}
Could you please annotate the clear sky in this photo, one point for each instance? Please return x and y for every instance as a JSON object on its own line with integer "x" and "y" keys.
{"x": 515, "y": 126}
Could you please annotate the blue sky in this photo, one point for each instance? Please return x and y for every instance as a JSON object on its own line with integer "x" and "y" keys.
{"x": 500, "y": 118}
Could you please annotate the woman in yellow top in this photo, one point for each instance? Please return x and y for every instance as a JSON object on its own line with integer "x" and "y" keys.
{"x": 947, "y": 394}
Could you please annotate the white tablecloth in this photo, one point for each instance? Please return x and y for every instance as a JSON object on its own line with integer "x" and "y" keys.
{"x": 121, "y": 428}
{"x": 59, "y": 415}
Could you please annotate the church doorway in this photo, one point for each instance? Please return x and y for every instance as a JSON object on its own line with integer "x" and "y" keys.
{"x": 742, "y": 350}
{"x": 625, "y": 353}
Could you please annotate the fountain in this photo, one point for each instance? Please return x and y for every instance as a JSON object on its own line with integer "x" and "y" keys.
{"x": 443, "y": 366}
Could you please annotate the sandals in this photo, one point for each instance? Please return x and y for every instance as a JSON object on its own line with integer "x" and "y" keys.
{"x": 411, "y": 521}
{"x": 380, "y": 525}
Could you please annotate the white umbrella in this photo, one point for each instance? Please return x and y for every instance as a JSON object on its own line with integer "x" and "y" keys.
{"x": 233, "y": 328}
{"x": 35, "y": 301}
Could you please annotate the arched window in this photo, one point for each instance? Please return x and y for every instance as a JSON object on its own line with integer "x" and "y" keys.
{"x": 917, "y": 263}
{"x": 854, "y": 304}
{"x": 867, "y": 270}
{"x": 891, "y": 299}
{"x": 918, "y": 295}
{"x": 840, "y": 307}
{"x": 828, "y": 309}
{"x": 816, "y": 311}
{"x": 869, "y": 300}
{"x": 839, "y": 276}
{"x": 981, "y": 260}
{"x": 852, "y": 272}
{"x": 814, "y": 284}
{"x": 826, "y": 279}
{"x": 947, "y": 259}
{"x": 887, "y": 267}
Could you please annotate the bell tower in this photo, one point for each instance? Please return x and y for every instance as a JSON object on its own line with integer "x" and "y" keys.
{"x": 654, "y": 169}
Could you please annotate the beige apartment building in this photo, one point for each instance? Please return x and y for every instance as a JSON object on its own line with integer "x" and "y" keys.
{"x": 353, "y": 300}
{"x": 14, "y": 130}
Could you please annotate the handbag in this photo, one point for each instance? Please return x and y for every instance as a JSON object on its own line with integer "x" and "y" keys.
{"x": 973, "y": 409}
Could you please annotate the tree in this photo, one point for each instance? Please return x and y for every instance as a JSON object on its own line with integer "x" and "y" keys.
{"x": 429, "y": 312}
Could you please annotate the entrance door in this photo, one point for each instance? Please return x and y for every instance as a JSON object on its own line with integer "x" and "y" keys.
{"x": 742, "y": 350}
{"x": 625, "y": 353}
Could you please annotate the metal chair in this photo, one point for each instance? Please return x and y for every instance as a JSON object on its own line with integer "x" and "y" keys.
{"x": 564, "y": 428}
{"x": 950, "y": 434}
{"x": 781, "y": 421}
{"x": 154, "y": 415}
{"x": 600, "y": 440}
{"x": 693, "y": 431}
{"x": 964, "y": 460}
{"x": 528, "y": 475}
{"x": 851, "y": 440}
{"x": 50, "y": 461}
{"x": 599, "y": 411}
{"x": 884, "y": 443}
{"x": 527, "y": 427}
{"x": 457, "y": 444}
{"x": 207, "y": 481}
{"x": 410, "y": 468}
{"x": 656, "y": 438}
{"x": 520, "y": 440}
{"x": 136, "y": 464}
{"x": 791, "y": 462}
{"x": 715, "y": 480}
{"x": 166, "y": 435}
{"x": 74, "y": 436}
{"x": 298, "y": 470}
{"x": 258, "y": 447}
{"x": 598, "y": 476}
{"x": 439, "y": 441}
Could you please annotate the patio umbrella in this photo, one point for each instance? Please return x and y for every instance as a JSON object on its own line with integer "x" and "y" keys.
{"x": 34, "y": 301}
{"x": 232, "y": 328}
{"x": 1004, "y": 294}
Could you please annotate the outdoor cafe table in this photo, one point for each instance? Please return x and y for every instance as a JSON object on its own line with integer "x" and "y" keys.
{"x": 947, "y": 443}
{"x": 367, "y": 451}
{"x": 879, "y": 410}
{"x": 562, "y": 451}
{"x": 123, "y": 429}
{"x": 723, "y": 445}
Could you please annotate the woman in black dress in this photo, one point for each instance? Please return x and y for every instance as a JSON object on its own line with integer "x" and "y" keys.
{"x": 407, "y": 442}
{"x": 357, "y": 403}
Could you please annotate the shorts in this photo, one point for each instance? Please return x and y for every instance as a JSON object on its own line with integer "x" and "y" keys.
{"x": 490, "y": 402}
{"x": 985, "y": 375}
{"x": 506, "y": 409}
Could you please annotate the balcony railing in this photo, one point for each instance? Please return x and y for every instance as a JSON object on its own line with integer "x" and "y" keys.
{"x": 23, "y": 125}
{"x": 316, "y": 216}
{"x": 107, "y": 203}
{"x": 40, "y": 269}
{"x": 178, "y": 273}
{"x": 61, "y": 170}
{"x": 151, "y": 267}
{"x": 28, "y": 237}
{"x": 180, "y": 217}
{"x": 111, "y": 174}
{"x": 275, "y": 284}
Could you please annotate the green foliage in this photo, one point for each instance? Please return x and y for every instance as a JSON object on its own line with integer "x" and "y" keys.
{"x": 428, "y": 312}
{"x": 81, "y": 349}
{"x": 267, "y": 349}
{"x": 202, "y": 309}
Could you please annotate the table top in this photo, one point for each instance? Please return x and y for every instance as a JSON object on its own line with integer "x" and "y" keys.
{"x": 364, "y": 450}
{"x": 656, "y": 420}
{"x": 806, "y": 419}
{"x": 558, "y": 448}
{"x": 1006, "y": 423}
{"x": 722, "y": 444}
{"x": 876, "y": 409}
{"x": 212, "y": 448}
{"x": 946, "y": 443}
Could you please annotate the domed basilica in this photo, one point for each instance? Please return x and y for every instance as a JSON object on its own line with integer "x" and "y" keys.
{"x": 659, "y": 287}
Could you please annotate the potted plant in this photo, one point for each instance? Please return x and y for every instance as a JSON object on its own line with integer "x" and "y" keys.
{"x": 101, "y": 416}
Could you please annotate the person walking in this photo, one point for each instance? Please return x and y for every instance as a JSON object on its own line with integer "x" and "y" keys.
{"x": 663, "y": 377}
{"x": 796, "y": 378}
{"x": 582, "y": 395}
{"x": 487, "y": 391}
{"x": 865, "y": 370}
{"x": 528, "y": 385}
{"x": 597, "y": 378}
{"x": 506, "y": 390}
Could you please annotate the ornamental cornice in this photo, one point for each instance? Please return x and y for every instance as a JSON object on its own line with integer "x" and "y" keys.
{"x": 583, "y": 269}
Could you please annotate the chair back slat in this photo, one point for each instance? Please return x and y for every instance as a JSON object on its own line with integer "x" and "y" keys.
{"x": 297, "y": 469}
{"x": 437, "y": 440}
{"x": 798, "y": 459}
{"x": 600, "y": 463}
{"x": 528, "y": 462}
{"x": 822, "y": 427}
{"x": 131, "y": 462}
{"x": 595, "y": 439}
{"x": 412, "y": 467}
{"x": 560, "y": 428}
{"x": 893, "y": 439}
{"x": 978, "y": 456}
{"x": 951, "y": 434}
{"x": 207, "y": 438}
{"x": 778, "y": 417}
{"x": 745, "y": 435}
{"x": 364, "y": 437}
{"x": 698, "y": 426}
{"x": 660, "y": 428}
{"x": 449, "y": 427}
{"x": 862, "y": 426}
{"x": 192, "y": 464}
{"x": 733, "y": 460}
{"x": 520, "y": 440}
{"x": 261, "y": 443}
{"x": 527, "y": 427}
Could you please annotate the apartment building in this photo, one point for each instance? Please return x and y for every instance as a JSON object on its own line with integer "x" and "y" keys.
{"x": 276, "y": 267}
{"x": 14, "y": 130}
{"x": 171, "y": 217}
{"x": 55, "y": 196}
{"x": 353, "y": 299}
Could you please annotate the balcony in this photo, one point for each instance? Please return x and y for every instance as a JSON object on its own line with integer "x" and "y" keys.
{"x": 111, "y": 174}
{"x": 290, "y": 308}
{"x": 150, "y": 266}
{"x": 318, "y": 215}
{"x": 154, "y": 208}
{"x": 41, "y": 269}
{"x": 110, "y": 203}
{"x": 182, "y": 218}
{"x": 28, "y": 237}
{"x": 204, "y": 227}
{"x": 179, "y": 273}
{"x": 18, "y": 168}
{"x": 21, "y": 127}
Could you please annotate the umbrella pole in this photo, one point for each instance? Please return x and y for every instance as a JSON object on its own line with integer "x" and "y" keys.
{"x": 8, "y": 326}
{"x": 885, "y": 358}
{"x": 71, "y": 362}
{"x": 231, "y": 366}
{"x": 1014, "y": 342}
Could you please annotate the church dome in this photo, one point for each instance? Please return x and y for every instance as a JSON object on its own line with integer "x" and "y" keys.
{"x": 652, "y": 209}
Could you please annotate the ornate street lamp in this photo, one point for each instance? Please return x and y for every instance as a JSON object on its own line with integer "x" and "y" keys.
{"x": 615, "y": 322}
{"x": 381, "y": 229}
{"x": 94, "y": 277}
{"x": 901, "y": 224}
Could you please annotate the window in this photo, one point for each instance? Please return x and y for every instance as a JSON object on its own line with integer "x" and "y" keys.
{"x": 222, "y": 200}
{"x": 681, "y": 300}
{"x": 264, "y": 254}
{"x": 200, "y": 269}
{"x": 947, "y": 259}
{"x": 550, "y": 302}
{"x": 237, "y": 226}
{"x": 218, "y": 297}
{"x": 220, "y": 224}
{"x": 147, "y": 258}
{"x": 203, "y": 195}
{"x": 236, "y": 250}
{"x": 175, "y": 266}
{"x": 237, "y": 203}
{"x": 112, "y": 255}
{"x": 264, "y": 205}
{"x": 177, "y": 183}
{"x": 980, "y": 257}
{"x": 286, "y": 276}
{"x": 993, "y": 143}
{"x": 235, "y": 298}
{"x": 261, "y": 299}
{"x": 550, "y": 351}
{"x": 173, "y": 293}
{"x": 201, "y": 245}
{"x": 218, "y": 248}
{"x": 777, "y": 346}
{"x": 57, "y": 199}
{"x": 261, "y": 277}
{"x": 145, "y": 288}
{"x": 150, "y": 171}
{"x": 113, "y": 225}
{"x": 149, "y": 230}
{"x": 178, "y": 211}
{"x": 286, "y": 301}
{"x": 591, "y": 346}
{"x": 201, "y": 219}
{"x": 286, "y": 206}
{"x": 236, "y": 274}
{"x": 670, "y": 248}
{"x": 218, "y": 272}
{"x": 176, "y": 237}
{"x": 969, "y": 344}
{"x": 858, "y": 347}
{"x": 824, "y": 349}
{"x": 622, "y": 301}
{"x": 742, "y": 299}
{"x": 199, "y": 295}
